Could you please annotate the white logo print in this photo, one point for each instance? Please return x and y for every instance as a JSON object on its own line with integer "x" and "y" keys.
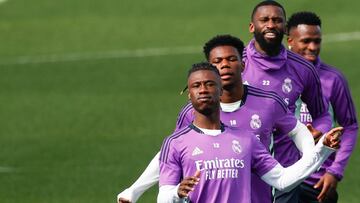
{"x": 236, "y": 147}
{"x": 255, "y": 122}
{"x": 197, "y": 151}
{"x": 287, "y": 86}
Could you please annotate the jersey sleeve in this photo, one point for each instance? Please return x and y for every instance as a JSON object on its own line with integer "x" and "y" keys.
{"x": 345, "y": 115}
{"x": 170, "y": 164}
{"x": 287, "y": 178}
{"x": 185, "y": 117}
{"x": 316, "y": 103}
{"x": 284, "y": 119}
{"x": 261, "y": 160}
{"x": 147, "y": 179}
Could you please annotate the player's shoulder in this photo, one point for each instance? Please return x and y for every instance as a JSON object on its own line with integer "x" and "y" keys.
{"x": 170, "y": 142}
{"x": 179, "y": 133}
{"x": 268, "y": 97}
{"x": 300, "y": 61}
{"x": 185, "y": 111}
{"x": 331, "y": 71}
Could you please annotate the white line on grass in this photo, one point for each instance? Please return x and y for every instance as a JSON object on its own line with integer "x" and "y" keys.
{"x": 103, "y": 55}
{"x": 3, "y": 1}
{"x": 139, "y": 53}
{"x": 5, "y": 169}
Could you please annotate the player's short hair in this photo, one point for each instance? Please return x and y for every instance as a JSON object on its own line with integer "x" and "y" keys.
{"x": 203, "y": 66}
{"x": 223, "y": 40}
{"x": 303, "y": 17}
{"x": 267, "y": 3}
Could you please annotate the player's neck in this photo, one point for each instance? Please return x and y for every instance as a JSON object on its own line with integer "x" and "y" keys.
{"x": 232, "y": 94}
{"x": 269, "y": 51}
{"x": 211, "y": 121}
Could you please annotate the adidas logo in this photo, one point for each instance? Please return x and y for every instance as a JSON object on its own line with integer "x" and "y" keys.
{"x": 197, "y": 151}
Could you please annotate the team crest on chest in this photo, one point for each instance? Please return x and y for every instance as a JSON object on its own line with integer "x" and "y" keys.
{"x": 236, "y": 147}
{"x": 255, "y": 122}
{"x": 287, "y": 86}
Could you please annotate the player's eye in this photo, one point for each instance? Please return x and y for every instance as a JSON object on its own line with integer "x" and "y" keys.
{"x": 210, "y": 84}
{"x": 277, "y": 20}
{"x": 216, "y": 61}
{"x": 195, "y": 85}
{"x": 263, "y": 20}
{"x": 306, "y": 41}
{"x": 317, "y": 41}
{"x": 233, "y": 58}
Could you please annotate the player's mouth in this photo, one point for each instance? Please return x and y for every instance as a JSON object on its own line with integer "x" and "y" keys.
{"x": 226, "y": 76}
{"x": 310, "y": 56}
{"x": 204, "y": 98}
{"x": 270, "y": 34}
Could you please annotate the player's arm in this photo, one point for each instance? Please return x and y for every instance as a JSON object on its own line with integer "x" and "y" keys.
{"x": 287, "y": 124}
{"x": 169, "y": 194}
{"x": 287, "y": 178}
{"x": 151, "y": 174}
{"x": 302, "y": 138}
{"x": 344, "y": 110}
{"x": 316, "y": 103}
{"x": 147, "y": 179}
{"x": 185, "y": 117}
{"x": 170, "y": 173}
{"x": 180, "y": 192}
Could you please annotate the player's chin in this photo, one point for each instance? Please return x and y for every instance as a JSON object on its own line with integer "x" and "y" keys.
{"x": 207, "y": 108}
{"x": 310, "y": 57}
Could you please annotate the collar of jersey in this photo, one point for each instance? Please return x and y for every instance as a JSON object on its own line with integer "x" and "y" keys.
{"x": 192, "y": 126}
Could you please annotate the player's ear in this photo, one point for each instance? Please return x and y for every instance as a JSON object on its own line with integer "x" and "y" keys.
{"x": 289, "y": 42}
{"x": 189, "y": 95}
{"x": 242, "y": 65}
{"x": 251, "y": 28}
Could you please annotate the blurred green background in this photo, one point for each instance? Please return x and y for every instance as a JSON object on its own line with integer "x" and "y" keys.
{"x": 89, "y": 89}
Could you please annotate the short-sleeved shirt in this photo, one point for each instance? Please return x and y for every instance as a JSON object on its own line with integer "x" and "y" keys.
{"x": 261, "y": 112}
{"x": 225, "y": 163}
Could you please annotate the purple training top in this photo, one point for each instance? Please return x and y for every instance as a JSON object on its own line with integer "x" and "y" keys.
{"x": 291, "y": 77}
{"x": 225, "y": 163}
{"x": 261, "y": 112}
{"x": 337, "y": 93}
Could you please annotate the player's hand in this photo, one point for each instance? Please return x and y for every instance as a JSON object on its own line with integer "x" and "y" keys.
{"x": 188, "y": 185}
{"x": 123, "y": 200}
{"x": 327, "y": 183}
{"x": 332, "y": 138}
{"x": 315, "y": 133}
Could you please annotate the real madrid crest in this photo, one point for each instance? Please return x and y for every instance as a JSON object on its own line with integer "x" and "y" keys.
{"x": 255, "y": 122}
{"x": 236, "y": 147}
{"x": 287, "y": 86}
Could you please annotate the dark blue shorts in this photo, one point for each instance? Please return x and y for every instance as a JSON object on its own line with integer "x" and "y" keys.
{"x": 308, "y": 195}
{"x": 287, "y": 197}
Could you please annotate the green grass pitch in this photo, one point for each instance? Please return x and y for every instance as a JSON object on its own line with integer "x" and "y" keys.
{"x": 84, "y": 108}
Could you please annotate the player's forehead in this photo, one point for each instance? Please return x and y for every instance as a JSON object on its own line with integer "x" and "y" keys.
{"x": 202, "y": 76}
{"x": 269, "y": 11}
{"x": 223, "y": 51}
{"x": 307, "y": 30}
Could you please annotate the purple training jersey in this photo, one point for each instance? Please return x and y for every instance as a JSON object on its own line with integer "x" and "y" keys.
{"x": 261, "y": 112}
{"x": 225, "y": 163}
{"x": 291, "y": 77}
{"x": 336, "y": 91}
